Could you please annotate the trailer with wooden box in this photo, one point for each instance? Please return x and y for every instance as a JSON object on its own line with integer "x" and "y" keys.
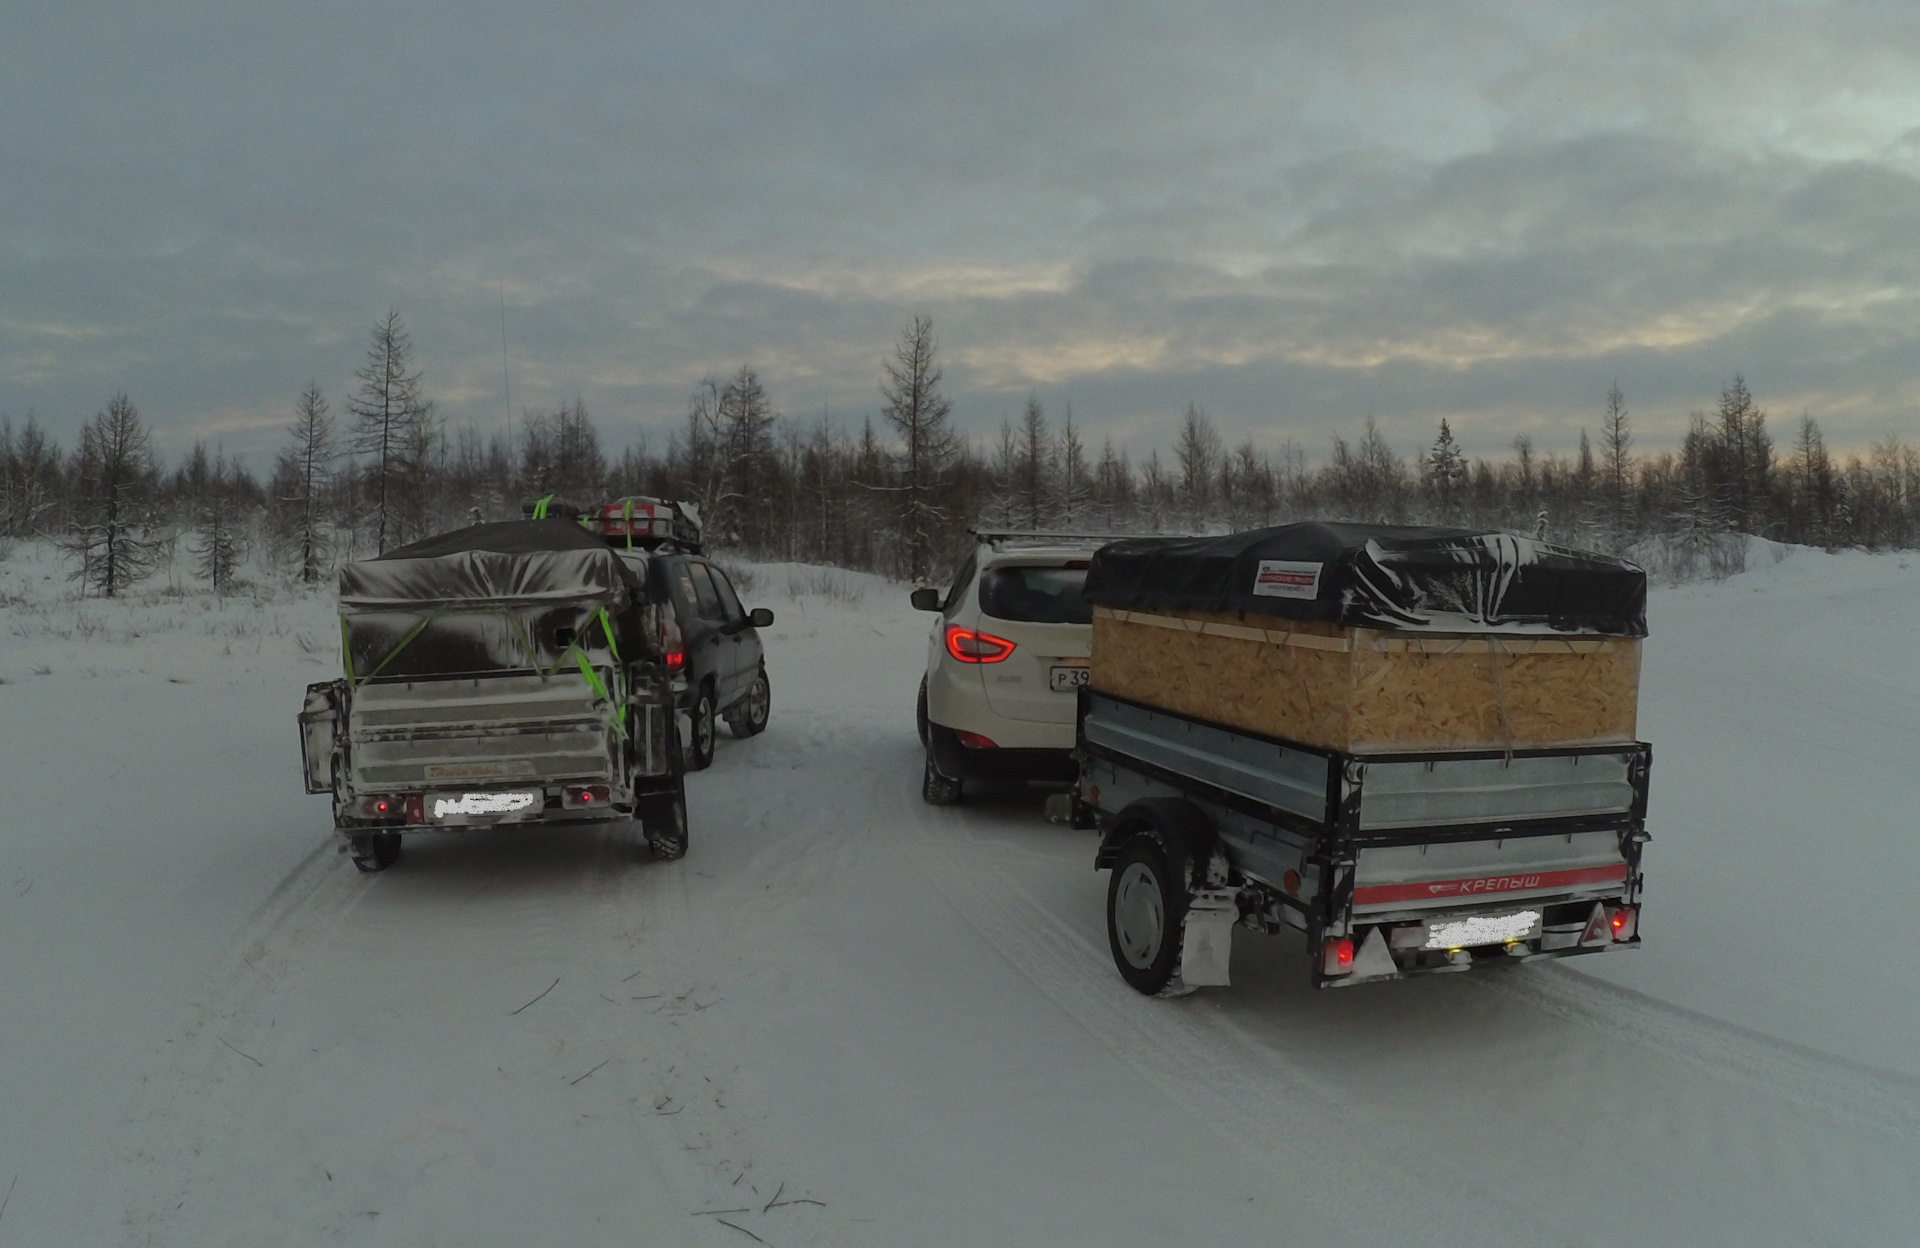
{"x": 1417, "y": 746}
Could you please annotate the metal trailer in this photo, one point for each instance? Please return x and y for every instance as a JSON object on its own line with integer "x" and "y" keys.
{"x": 1391, "y": 864}
{"x": 451, "y": 753}
{"x": 506, "y": 674}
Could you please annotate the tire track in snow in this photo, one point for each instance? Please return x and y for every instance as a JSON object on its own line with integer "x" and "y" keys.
{"x": 1241, "y": 1090}
{"x": 189, "y": 1094}
{"x": 1803, "y": 1077}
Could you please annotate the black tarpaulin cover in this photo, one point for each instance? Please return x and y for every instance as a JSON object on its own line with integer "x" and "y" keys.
{"x": 1378, "y": 576}
{"x": 518, "y": 561}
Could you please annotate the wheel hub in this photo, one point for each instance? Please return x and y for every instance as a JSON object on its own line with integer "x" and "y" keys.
{"x": 1139, "y": 916}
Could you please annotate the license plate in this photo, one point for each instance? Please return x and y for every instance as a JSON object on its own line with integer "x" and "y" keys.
{"x": 1483, "y": 929}
{"x": 490, "y": 806}
{"x": 1060, "y": 679}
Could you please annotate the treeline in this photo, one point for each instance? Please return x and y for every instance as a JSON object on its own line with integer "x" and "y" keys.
{"x": 895, "y": 493}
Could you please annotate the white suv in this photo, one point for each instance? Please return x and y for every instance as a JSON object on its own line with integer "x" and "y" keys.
{"x": 1004, "y": 662}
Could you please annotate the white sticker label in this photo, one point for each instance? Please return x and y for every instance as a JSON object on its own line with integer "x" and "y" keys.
{"x": 1283, "y": 578}
{"x": 483, "y": 804}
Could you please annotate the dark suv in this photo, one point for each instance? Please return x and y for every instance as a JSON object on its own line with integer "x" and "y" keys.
{"x": 718, "y": 651}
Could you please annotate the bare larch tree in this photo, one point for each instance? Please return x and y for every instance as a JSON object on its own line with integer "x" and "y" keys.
{"x": 918, "y": 413}
{"x": 301, "y": 475}
{"x": 389, "y": 415}
{"x": 115, "y": 478}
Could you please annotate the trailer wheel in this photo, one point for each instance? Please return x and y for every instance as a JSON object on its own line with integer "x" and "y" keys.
{"x": 1146, "y": 905}
{"x": 663, "y": 820}
{"x": 374, "y": 851}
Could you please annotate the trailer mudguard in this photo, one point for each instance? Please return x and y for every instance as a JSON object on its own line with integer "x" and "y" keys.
{"x": 1183, "y": 832}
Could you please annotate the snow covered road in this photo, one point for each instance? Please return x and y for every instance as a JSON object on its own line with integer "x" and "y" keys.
{"x": 848, "y": 1018}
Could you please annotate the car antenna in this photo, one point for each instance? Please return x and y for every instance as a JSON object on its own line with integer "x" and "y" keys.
{"x": 506, "y": 375}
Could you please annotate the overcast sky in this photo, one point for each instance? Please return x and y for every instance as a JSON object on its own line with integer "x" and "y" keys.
{"x": 1298, "y": 215}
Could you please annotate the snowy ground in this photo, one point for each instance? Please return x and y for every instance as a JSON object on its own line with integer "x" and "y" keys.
{"x": 849, "y": 1019}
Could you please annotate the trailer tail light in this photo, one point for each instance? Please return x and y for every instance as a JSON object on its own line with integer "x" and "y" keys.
{"x": 585, "y": 796}
{"x": 973, "y": 740}
{"x": 1336, "y": 957}
{"x": 1625, "y": 922}
{"x": 383, "y": 808}
{"x": 969, "y": 646}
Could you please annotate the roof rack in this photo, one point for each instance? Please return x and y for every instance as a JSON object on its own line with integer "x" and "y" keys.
{"x": 638, "y": 521}
{"x": 1004, "y": 540}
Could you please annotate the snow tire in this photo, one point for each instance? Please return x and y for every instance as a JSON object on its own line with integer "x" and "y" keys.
{"x": 937, "y": 789}
{"x": 374, "y": 851}
{"x": 920, "y": 713}
{"x": 663, "y": 820}
{"x": 748, "y": 716}
{"x": 700, "y": 748}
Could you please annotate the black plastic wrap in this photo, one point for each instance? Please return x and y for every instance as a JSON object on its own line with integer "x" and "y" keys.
{"x": 491, "y": 597}
{"x": 523, "y": 561}
{"x": 1378, "y": 576}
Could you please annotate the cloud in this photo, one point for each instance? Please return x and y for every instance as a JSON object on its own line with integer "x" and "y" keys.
{"x": 1299, "y": 215}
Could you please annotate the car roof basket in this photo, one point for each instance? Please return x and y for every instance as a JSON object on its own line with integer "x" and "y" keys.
{"x": 641, "y": 522}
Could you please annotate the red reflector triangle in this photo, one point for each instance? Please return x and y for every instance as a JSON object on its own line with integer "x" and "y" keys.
{"x": 1598, "y": 931}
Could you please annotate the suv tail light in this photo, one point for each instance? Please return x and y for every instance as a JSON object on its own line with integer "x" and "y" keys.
{"x": 970, "y": 646}
{"x": 973, "y": 740}
{"x": 673, "y": 645}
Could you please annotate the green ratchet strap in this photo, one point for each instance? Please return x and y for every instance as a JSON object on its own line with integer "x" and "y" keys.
{"x": 629, "y": 514}
{"x": 613, "y": 647}
{"x": 617, "y": 705}
{"x": 526, "y": 639}
{"x": 394, "y": 653}
{"x": 540, "y": 508}
{"x": 606, "y": 625}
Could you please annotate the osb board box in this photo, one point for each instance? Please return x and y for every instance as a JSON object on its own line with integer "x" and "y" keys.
{"x": 1360, "y": 689}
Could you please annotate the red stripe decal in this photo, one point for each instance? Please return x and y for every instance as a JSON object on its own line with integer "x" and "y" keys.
{"x": 1430, "y": 890}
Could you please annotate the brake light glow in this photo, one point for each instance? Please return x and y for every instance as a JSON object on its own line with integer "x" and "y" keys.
{"x": 672, "y": 646}
{"x": 1336, "y": 957}
{"x": 970, "y": 646}
{"x": 585, "y": 796}
{"x": 973, "y": 740}
{"x": 1625, "y": 922}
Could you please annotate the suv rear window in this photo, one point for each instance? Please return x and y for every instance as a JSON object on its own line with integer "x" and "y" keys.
{"x": 1036, "y": 595}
